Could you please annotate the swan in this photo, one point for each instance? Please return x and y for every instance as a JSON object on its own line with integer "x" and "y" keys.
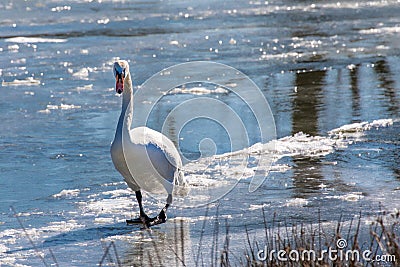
{"x": 145, "y": 158}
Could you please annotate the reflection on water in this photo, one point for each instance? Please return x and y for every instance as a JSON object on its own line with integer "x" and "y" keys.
{"x": 355, "y": 94}
{"x": 317, "y": 101}
{"x": 307, "y": 177}
{"x": 387, "y": 84}
{"x": 307, "y": 101}
{"x": 169, "y": 247}
{"x": 306, "y": 107}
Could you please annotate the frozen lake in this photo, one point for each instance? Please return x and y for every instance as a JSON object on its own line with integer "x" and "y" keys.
{"x": 329, "y": 70}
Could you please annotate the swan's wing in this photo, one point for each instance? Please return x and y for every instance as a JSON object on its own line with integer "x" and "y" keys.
{"x": 154, "y": 139}
{"x": 153, "y": 160}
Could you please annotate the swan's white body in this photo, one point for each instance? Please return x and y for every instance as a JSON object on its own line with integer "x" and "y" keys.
{"x": 146, "y": 159}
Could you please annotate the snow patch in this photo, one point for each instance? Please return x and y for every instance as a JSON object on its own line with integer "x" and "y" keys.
{"x": 198, "y": 91}
{"x": 25, "y": 40}
{"x": 349, "y": 129}
{"x": 67, "y": 193}
{"x": 350, "y": 197}
{"x": 296, "y": 202}
{"x": 27, "y": 82}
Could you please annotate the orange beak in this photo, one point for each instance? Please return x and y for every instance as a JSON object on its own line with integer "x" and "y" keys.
{"x": 119, "y": 84}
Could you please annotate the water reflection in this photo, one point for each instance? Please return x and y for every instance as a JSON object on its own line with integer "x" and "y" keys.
{"x": 355, "y": 93}
{"x": 168, "y": 246}
{"x": 307, "y": 101}
{"x": 367, "y": 98}
{"x": 306, "y": 106}
{"x": 387, "y": 84}
{"x": 307, "y": 177}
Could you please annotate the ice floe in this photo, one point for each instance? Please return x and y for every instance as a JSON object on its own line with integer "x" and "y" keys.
{"x": 67, "y": 193}
{"x": 198, "y": 91}
{"x": 28, "y": 81}
{"x": 24, "y": 40}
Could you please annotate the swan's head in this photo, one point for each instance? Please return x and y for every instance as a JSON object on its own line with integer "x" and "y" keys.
{"x": 121, "y": 70}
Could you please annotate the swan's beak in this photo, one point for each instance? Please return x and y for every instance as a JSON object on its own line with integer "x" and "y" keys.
{"x": 119, "y": 83}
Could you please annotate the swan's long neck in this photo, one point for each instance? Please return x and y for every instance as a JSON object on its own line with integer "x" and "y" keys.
{"x": 125, "y": 119}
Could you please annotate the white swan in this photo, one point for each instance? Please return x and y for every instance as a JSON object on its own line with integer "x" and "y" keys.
{"x": 146, "y": 159}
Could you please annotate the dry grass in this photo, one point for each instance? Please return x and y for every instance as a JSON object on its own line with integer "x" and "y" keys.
{"x": 381, "y": 237}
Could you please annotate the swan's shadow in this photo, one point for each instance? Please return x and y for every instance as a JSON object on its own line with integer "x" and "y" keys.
{"x": 160, "y": 244}
{"x": 83, "y": 235}
{"x": 89, "y": 234}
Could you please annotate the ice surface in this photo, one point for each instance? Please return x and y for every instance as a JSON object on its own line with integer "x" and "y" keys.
{"x": 28, "y": 81}
{"x": 352, "y": 197}
{"x": 67, "y": 193}
{"x": 361, "y": 126}
{"x": 296, "y": 202}
{"x": 34, "y": 40}
{"x": 214, "y": 175}
{"x": 198, "y": 91}
{"x": 114, "y": 202}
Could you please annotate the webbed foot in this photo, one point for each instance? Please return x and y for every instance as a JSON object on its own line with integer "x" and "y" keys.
{"x": 159, "y": 219}
{"x": 142, "y": 219}
{"x": 147, "y": 221}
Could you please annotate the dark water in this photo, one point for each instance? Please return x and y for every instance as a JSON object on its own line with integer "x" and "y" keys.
{"x": 321, "y": 66}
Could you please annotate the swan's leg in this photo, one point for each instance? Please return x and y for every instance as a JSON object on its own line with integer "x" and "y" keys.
{"x": 143, "y": 218}
{"x": 146, "y": 220}
{"x": 162, "y": 216}
{"x": 139, "y": 200}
